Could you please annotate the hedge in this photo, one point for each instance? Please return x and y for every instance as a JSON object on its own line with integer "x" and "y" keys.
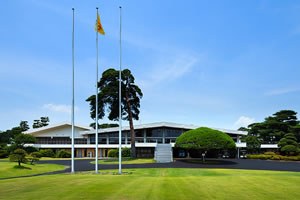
{"x": 63, "y": 154}
{"x": 273, "y": 157}
{"x": 47, "y": 153}
{"x": 115, "y": 152}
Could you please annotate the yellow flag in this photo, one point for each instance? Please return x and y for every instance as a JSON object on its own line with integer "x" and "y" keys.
{"x": 100, "y": 28}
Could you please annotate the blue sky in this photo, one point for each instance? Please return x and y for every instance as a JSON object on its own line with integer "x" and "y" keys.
{"x": 211, "y": 63}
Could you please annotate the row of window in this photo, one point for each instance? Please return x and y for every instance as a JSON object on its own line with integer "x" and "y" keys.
{"x": 155, "y": 132}
{"x": 59, "y": 140}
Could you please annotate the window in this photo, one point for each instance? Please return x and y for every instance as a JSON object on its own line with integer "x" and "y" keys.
{"x": 154, "y": 132}
{"x": 172, "y": 132}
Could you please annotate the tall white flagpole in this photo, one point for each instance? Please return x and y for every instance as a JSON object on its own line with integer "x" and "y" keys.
{"x": 72, "y": 163}
{"x": 120, "y": 108}
{"x": 96, "y": 121}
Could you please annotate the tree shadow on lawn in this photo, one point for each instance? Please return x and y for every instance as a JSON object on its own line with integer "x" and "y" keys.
{"x": 21, "y": 167}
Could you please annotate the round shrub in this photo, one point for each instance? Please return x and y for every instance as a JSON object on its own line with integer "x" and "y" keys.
{"x": 63, "y": 154}
{"x": 205, "y": 139}
{"x": 112, "y": 153}
{"x": 36, "y": 154}
{"x": 47, "y": 153}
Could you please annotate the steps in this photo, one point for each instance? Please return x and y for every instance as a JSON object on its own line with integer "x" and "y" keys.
{"x": 163, "y": 153}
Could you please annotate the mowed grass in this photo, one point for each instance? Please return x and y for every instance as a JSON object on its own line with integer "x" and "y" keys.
{"x": 158, "y": 184}
{"x": 126, "y": 161}
{"x": 7, "y": 169}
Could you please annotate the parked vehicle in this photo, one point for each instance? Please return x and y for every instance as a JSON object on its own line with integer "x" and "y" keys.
{"x": 243, "y": 155}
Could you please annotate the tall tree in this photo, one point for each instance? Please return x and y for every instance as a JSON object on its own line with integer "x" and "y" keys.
{"x": 275, "y": 127}
{"x": 38, "y": 123}
{"x": 45, "y": 121}
{"x": 109, "y": 99}
{"x": 105, "y": 125}
{"x": 24, "y": 125}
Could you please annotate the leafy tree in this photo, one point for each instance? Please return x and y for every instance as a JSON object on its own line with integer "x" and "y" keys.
{"x": 37, "y": 123}
{"x": 205, "y": 139}
{"x": 45, "y": 121}
{"x": 7, "y": 136}
{"x": 22, "y": 139}
{"x": 288, "y": 144}
{"x": 24, "y": 125}
{"x": 253, "y": 144}
{"x": 109, "y": 99}
{"x": 19, "y": 155}
{"x": 103, "y": 125}
{"x": 275, "y": 127}
{"x": 3, "y": 152}
{"x": 34, "y": 157}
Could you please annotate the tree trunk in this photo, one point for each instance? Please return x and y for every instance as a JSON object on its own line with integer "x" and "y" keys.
{"x": 133, "y": 150}
{"x": 19, "y": 163}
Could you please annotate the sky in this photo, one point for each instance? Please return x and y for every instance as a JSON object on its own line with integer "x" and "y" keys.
{"x": 221, "y": 64}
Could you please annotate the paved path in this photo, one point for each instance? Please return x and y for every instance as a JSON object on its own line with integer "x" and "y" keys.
{"x": 85, "y": 165}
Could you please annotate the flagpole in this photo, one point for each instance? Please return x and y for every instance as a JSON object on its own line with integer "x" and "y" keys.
{"x": 96, "y": 121}
{"x": 72, "y": 168}
{"x": 120, "y": 108}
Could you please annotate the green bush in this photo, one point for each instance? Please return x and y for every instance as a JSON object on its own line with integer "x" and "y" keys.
{"x": 63, "y": 154}
{"x": 3, "y": 153}
{"x": 273, "y": 157}
{"x": 204, "y": 138}
{"x": 125, "y": 152}
{"x": 269, "y": 153}
{"x": 47, "y": 153}
{"x": 36, "y": 154}
{"x": 113, "y": 153}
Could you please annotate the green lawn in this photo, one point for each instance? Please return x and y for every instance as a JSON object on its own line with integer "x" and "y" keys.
{"x": 126, "y": 161}
{"x": 7, "y": 169}
{"x": 158, "y": 184}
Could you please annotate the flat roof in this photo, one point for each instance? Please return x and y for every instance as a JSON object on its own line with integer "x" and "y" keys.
{"x": 161, "y": 124}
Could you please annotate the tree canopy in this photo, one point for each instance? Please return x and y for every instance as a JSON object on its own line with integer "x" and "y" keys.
{"x": 205, "y": 139}
{"x": 108, "y": 99}
{"x": 274, "y": 127}
{"x": 288, "y": 144}
{"x": 43, "y": 121}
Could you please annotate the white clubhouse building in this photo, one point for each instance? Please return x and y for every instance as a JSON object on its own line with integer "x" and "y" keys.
{"x": 148, "y": 136}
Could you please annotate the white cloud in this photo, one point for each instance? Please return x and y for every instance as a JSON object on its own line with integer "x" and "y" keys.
{"x": 59, "y": 108}
{"x": 170, "y": 69}
{"x": 282, "y": 91}
{"x": 243, "y": 122}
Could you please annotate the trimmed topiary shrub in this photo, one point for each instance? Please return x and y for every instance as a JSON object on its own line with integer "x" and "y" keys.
{"x": 47, "y": 153}
{"x": 205, "y": 139}
{"x": 63, "y": 154}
